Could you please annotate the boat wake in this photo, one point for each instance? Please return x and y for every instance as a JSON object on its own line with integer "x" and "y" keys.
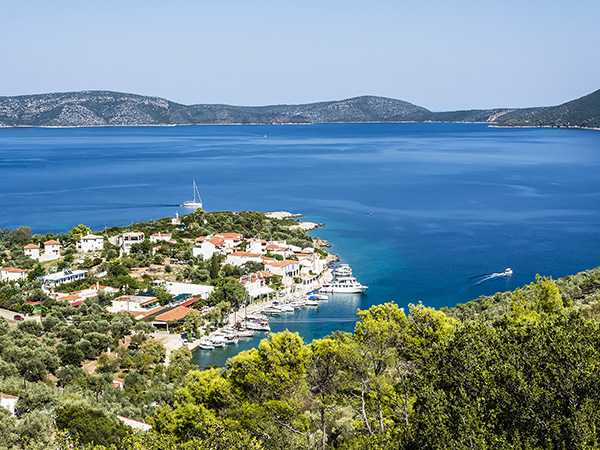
{"x": 478, "y": 279}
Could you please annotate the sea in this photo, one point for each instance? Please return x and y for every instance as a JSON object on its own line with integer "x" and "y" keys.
{"x": 425, "y": 212}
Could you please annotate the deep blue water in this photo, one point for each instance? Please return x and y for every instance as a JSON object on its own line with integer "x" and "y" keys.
{"x": 415, "y": 209}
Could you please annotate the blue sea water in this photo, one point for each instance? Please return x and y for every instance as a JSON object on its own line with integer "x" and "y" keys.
{"x": 416, "y": 209}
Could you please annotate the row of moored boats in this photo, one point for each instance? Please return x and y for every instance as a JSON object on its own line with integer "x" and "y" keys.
{"x": 343, "y": 283}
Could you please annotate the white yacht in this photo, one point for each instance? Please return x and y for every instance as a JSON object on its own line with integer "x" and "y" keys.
{"x": 508, "y": 271}
{"x": 194, "y": 203}
{"x": 344, "y": 285}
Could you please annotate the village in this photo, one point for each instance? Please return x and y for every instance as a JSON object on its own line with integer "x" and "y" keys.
{"x": 269, "y": 271}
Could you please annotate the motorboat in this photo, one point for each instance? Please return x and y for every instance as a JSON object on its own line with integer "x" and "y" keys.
{"x": 206, "y": 345}
{"x": 508, "y": 271}
{"x": 257, "y": 324}
{"x": 196, "y": 203}
{"x": 344, "y": 285}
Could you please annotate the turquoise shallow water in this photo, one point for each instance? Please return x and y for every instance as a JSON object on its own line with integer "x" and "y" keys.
{"x": 416, "y": 209}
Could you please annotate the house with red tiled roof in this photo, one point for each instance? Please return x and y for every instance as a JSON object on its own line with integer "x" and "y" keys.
{"x": 208, "y": 246}
{"x": 231, "y": 239}
{"x": 162, "y": 237}
{"x": 285, "y": 268}
{"x": 241, "y": 258}
{"x": 12, "y": 274}
{"x": 256, "y": 284}
{"x": 32, "y": 250}
{"x": 8, "y": 402}
{"x": 118, "y": 382}
{"x": 51, "y": 250}
{"x": 254, "y": 245}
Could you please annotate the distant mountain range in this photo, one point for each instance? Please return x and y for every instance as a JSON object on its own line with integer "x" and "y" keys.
{"x": 105, "y": 108}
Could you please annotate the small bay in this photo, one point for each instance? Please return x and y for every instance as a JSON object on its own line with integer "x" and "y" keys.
{"x": 417, "y": 210}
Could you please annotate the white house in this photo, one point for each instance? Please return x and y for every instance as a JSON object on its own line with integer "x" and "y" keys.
{"x": 255, "y": 283}
{"x": 255, "y": 245}
{"x": 129, "y": 239}
{"x": 161, "y": 237}
{"x": 241, "y": 258}
{"x": 209, "y": 246}
{"x": 58, "y": 278}
{"x": 286, "y": 268}
{"x": 32, "y": 250}
{"x": 8, "y": 402}
{"x": 277, "y": 249}
{"x": 51, "y": 250}
{"x": 91, "y": 243}
{"x": 231, "y": 240}
{"x": 12, "y": 274}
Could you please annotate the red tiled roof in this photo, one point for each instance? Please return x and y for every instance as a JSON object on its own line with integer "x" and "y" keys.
{"x": 244, "y": 254}
{"x": 51, "y": 242}
{"x": 217, "y": 241}
{"x": 12, "y": 270}
{"x": 7, "y": 396}
{"x": 161, "y": 235}
{"x": 189, "y": 302}
{"x": 32, "y": 246}
{"x": 282, "y": 263}
{"x": 175, "y": 314}
{"x": 77, "y": 303}
{"x": 230, "y": 236}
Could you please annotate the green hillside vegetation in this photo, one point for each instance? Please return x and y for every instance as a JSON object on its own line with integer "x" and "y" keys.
{"x": 517, "y": 370}
{"x": 583, "y": 112}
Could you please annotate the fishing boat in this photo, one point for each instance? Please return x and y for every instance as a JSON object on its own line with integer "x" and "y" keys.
{"x": 206, "y": 345}
{"x": 194, "y": 203}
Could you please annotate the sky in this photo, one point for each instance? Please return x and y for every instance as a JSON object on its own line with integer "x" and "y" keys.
{"x": 440, "y": 54}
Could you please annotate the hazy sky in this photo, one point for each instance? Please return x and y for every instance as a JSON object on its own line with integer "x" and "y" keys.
{"x": 440, "y": 54}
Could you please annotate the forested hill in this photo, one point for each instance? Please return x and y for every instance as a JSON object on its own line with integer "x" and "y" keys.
{"x": 583, "y": 112}
{"x": 105, "y": 108}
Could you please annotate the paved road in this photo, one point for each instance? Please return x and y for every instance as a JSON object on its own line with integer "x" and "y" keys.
{"x": 8, "y": 315}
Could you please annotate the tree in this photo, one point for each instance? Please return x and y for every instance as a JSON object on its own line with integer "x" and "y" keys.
{"x": 78, "y": 232}
{"x": 9, "y": 437}
{"x": 192, "y": 320}
{"x": 90, "y": 426}
{"x": 228, "y": 290}
{"x": 155, "y": 349}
